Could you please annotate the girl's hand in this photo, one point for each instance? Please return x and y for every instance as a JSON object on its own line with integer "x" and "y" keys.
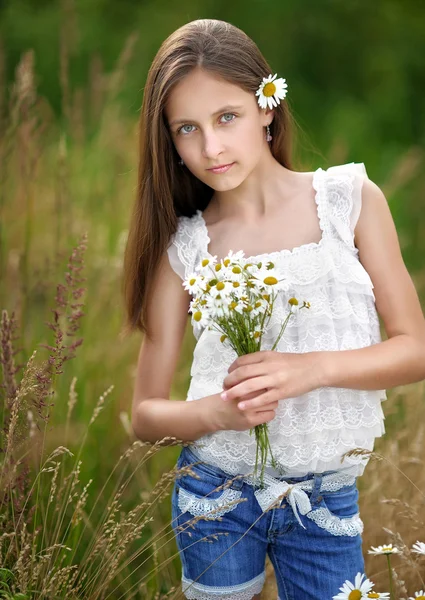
{"x": 281, "y": 374}
{"x": 226, "y": 415}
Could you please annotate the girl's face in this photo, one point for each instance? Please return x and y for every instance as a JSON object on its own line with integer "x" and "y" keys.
{"x": 214, "y": 122}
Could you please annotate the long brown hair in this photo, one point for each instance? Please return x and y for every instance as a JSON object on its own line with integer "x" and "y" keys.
{"x": 165, "y": 189}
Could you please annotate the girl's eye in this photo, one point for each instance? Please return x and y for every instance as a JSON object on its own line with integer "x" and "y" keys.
{"x": 229, "y": 114}
{"x": 181, "y": 129}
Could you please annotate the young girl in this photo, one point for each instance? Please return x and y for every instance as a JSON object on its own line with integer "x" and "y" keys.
{"x": 215, "y": 175}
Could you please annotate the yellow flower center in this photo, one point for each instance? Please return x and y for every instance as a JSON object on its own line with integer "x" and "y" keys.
{"x": 257, "y": 304}
{"x": 293, "y": 301}
{"x": 270, "y": 280}
{"x": 220, "y": 285}
{"x": 420, "y": 597}
{"x": 197, "y": 316}
{"x": 269, "y": 89}
{"x": 257, "y": 334}
{"x": 223, "y": 337}
{"x": 226, "y": 262}
{"x": 236, "y": 284}
{"x": 266, "y": 297}
{"x": 355, "y": 595}
{"x": 372, "y": 595}
{"x": 236, "y": 270}
{"x": 233, "y": 305}
{"x": 205, "y": 262}
{"x": 217, "y": 267}
{"x": 192, "y": 281}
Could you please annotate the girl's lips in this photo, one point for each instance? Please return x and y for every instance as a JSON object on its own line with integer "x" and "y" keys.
{"x": 221, "y": 169}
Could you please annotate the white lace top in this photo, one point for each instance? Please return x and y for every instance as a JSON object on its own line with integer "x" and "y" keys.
{"x": 310, "y": 432}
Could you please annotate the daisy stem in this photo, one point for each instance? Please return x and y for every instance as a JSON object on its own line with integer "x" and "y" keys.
{"x": 281, "y": 331}
{"x": 391, "y": 577}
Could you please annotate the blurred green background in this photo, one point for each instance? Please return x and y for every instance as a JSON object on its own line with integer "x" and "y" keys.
{"x": 72, "y": 74}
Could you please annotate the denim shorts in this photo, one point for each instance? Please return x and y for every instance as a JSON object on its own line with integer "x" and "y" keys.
{"x": 223, "y": 536}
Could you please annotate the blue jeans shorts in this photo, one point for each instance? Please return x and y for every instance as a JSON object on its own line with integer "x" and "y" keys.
{"x": 223, "y": 536}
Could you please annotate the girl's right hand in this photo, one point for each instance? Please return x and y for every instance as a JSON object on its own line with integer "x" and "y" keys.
{"x": 224, "y": 415}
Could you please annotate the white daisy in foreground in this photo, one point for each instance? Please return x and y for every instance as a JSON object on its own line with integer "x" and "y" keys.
{"x": 418, "y": 596}
{"x": 355, "y": 591}
{"x": 419, "y": 548}
{"x": 271, "y": 91}
{"x": 389, "y": 549}
{"x": 377, "y": 595}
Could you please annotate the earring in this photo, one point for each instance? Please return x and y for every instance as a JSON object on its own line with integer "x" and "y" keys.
{"x": 268, "y": 136}
{"x": 181, "y": 162}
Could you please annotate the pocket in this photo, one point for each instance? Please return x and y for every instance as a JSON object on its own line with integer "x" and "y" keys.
{"x": 338, "y": 512}
{"x": 201, "y": 494}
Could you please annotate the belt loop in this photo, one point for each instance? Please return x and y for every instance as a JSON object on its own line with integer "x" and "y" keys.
{"x": 317, "y": 484}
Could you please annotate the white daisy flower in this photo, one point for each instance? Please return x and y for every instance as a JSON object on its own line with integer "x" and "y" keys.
{"x": 221, "y": 288}
{"x": 294, "y": 305}
{"x": 268, "y": 279}
{"x": 235, "y": 272}
{"x": 204, "y": 268}
{"x": 200, "y": 317}
{"x": 260, "y": 307}
{"x": 348, "y": 589}
{"x": 195, "y": 283}
{"x": 233, "y": 256}
{"x": 419, "y": 548}
{"x": 271, "y": 91}
{"x": 374, "y": 594}
{"x": 389, "y": 549}
{"x": 418, "y": 596}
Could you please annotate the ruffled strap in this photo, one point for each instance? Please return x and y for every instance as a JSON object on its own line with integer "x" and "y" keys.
{"x": 344, "y": 198}
{"x": 185, "y": 245}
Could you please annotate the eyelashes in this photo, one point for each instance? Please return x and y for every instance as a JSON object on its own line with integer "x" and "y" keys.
{"x": 180, "y": 129}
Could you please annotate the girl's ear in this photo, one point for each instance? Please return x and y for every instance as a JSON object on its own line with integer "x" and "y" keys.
{"x": 268, "y": 116}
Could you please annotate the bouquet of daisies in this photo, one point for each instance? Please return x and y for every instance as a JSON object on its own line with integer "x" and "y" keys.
{"x": 236, "y": 298}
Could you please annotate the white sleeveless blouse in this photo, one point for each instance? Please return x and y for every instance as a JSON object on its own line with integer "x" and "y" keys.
{"x": 311, "y": 432}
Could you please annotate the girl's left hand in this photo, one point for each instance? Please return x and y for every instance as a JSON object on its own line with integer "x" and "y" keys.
{"x": 282, "y": 374}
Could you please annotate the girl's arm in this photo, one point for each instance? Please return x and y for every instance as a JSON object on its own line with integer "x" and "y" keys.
{"x": 154, "y": 416}
{"x": 400, "y": 359}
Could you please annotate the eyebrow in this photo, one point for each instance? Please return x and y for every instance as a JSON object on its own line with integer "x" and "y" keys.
{"x": 220, "y": 110}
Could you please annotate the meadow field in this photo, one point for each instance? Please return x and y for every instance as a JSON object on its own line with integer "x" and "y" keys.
{"x": 85, "y": 507}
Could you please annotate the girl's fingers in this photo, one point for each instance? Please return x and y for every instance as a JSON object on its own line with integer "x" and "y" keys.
{"x": 246, "y": 387}
{"x": 266, "y": 398}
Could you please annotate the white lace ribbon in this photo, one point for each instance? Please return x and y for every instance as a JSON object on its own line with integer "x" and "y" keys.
{"x": 296, "y": 493}
{"x": 297, "y": 498}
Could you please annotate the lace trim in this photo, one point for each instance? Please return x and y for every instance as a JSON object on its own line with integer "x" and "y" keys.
{"x": 350, "y": 526}
{"x": 234, "y": 453}
{"x": 296, "y": 493}
{"x": 203, "y": 506}
{"x": 244, "y": 591}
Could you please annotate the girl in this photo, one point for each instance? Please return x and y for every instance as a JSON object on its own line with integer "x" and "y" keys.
{"x": 215, "y": 175}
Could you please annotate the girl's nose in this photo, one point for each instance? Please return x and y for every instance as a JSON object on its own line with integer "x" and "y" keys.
{"x": 212, "y": 145}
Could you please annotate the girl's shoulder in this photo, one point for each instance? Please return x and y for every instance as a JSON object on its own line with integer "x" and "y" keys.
{"x": 185, "y": 243}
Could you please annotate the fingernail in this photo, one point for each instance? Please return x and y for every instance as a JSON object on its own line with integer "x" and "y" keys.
{"x": 224, "y": 396}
